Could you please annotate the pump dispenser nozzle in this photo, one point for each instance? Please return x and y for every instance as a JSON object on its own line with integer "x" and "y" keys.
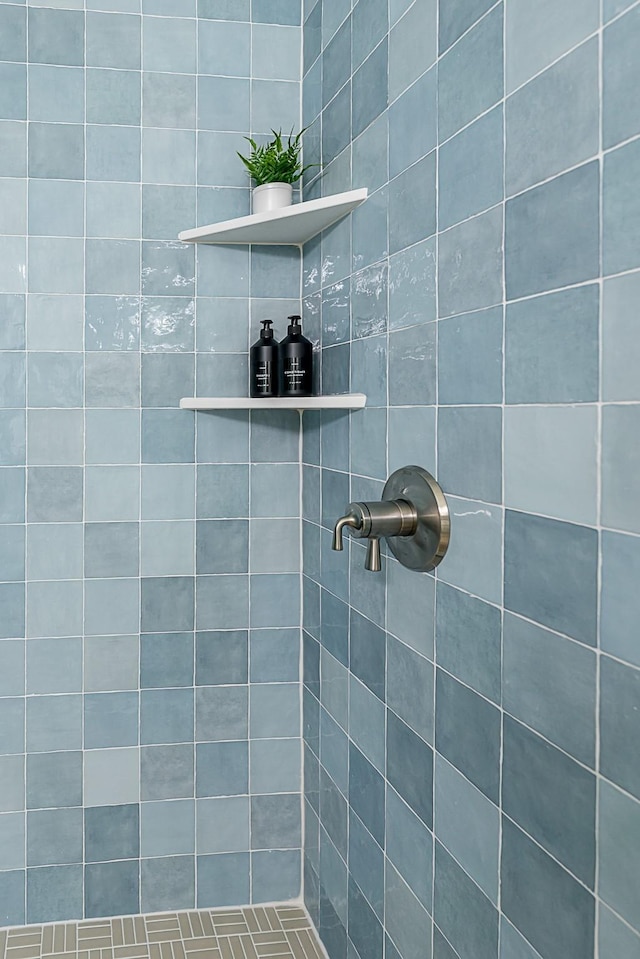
{"x": 294, "y": 327}
{"x": 266, "y": 333}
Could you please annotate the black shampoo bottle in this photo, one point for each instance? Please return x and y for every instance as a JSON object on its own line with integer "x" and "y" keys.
{"x": 296, "y": 357}
{"x": 264, "y": 363}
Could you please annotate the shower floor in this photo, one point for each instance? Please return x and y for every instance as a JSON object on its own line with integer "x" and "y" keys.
{"x": 247, "y": 933}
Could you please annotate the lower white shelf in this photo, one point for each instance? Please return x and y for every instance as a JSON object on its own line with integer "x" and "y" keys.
{"x": 345, "y": 401}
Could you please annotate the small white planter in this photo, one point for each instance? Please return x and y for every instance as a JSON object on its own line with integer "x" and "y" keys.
{"x": 272, "y": 196}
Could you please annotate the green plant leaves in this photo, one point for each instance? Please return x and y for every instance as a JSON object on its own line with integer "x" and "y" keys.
{"x": 274, "y": 162}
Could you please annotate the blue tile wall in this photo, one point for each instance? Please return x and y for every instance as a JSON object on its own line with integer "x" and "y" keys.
{"x": 128, "y": 762}
{"x": 486, "y": 300}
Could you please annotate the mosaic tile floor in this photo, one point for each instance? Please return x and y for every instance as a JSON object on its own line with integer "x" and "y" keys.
{"x": 249, "y": 933}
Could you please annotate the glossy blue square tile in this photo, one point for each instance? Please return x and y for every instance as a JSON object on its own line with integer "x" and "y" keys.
{"x": 468, "y": 635}
{"x": 470, "y": 75}
{"x": 223, "y": 825}
{"x": 55, "y": 265}
{"x": 55, "y": 379}
{"x": 56, "y": 208}
{"x": 470, "y": 358}
{"x": 166, "y": 437}
{"x": 221, "y": 714}
{"x": 370, "y": 154}
{"x": 165, "y": 209}
{"x": 224, "y": 49}
{"x": 167, "y": 603}
{"x": 551, "y": 348}
{"x": 564, "y": 211}
{"x": 12, "y": 736}
{"x": 276, "y": 873}
{"x": 620, "y": 220}
{"x": 167, "y": 883}
{"x": 561, "y": 442}
{"x": 111, "y": 719}
{"x": 167, "y": 828}
{"x": 12, "y": 487}
{"x": 13, "y": 139}
{"x": 12, "y": 659}
{"x": 112, "y": 266}
{"x": 274, "y": 655}
{"x": 112, "y": 323}
{"x": 112, "y": 493}
{"x": 12, "y": 380}
{"x": 275, "y": 765}
{"x": 13, "y": 270}
{"x": 14, "y": 206}
{"x": 12, "y": 336}
{"x": 166, "y": 660}
{"x": 470, "y": 264}
{"x": 619, "y": 341}
{"x": 111, "y": 888}
{"x": 113, "y": 153}
{"x": 112, "y": 380}
{"x": 54, "y": 665}
{"x": 12, "y": 888}
{"x": 223, "y": 880}
{"x": 113, "y": 96}
{"x": 166, "y": 772}
{"x": 110, "y": 662}
{"x": 222, "y": 602}
{"x": 559, "y": 595}
{"x": 113, "y": 40}
{"x": 112, "y": 606}
{"x": 470, "y": 172}
{"x": 13, "y": 25}
{"x": 222, "y": 769}
{"x": 223, "y": 104}
{"x": 271, "y": 101}
{"x": 56, "y": 94}
{"x": 55, "y": 609}
{"x": 275, "y": 710}
{"x": 412, "y": 366}
{"x": 56, "y": 36}
{"x": 112, "y": 436}
{"x": 561, "y": 106}
{"x": 54, "y": 836}
{"x": 113, "y": 776}
{"x": 275, "y": 822}
{"x": 113, "y": 209}
{"x": 169, "y": 156}
{"x": 412, "y": 44}
{"x": 54, "y": 893}
{"x": 53, "y": 723}
{"x": 168, "y": 100}
{"x": 169, "y": 45}
{"x": 56, "y": 150}
{"x": 276, "y": 11}
{"x": 54, "y": 780}
{"x": 111, "y": 833}
{"x": 621, "y": 118}
{"x": 469, "y": 451}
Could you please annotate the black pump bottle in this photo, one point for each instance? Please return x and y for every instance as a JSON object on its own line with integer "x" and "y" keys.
{"x": 264, "y": 363}
{"x": 296, "y": 358}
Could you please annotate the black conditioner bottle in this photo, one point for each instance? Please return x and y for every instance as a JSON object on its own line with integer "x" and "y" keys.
{"x": 296, "y": 358}
{"x": 264, "y": 363}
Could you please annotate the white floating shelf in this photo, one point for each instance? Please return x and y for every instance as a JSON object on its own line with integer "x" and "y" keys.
{"x": 291, "y": 226}
{"x": 345, "y": 401}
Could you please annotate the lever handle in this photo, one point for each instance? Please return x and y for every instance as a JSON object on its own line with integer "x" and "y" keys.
{"x": 372, "y": 562}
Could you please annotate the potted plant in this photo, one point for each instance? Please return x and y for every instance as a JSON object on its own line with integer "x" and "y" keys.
{"x": 274, "y": 167}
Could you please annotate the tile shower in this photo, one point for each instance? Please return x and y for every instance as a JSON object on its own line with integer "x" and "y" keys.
{"x": 471, "y": 779}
